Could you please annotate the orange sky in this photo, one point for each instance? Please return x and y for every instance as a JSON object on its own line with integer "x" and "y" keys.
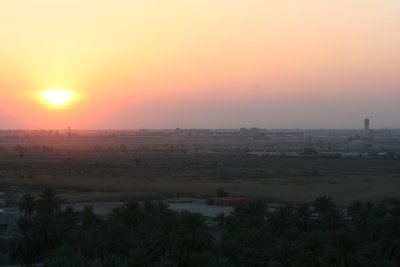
{"x": 200, "y": 64}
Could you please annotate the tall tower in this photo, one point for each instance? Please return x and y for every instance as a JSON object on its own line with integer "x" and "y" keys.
{"x": 366, "y": 127}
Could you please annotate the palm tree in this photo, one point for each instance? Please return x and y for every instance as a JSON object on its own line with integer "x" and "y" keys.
{"x": 192, "y": 235}
{"x": 304, "y": 220}
{"x": 113, "y": 239}
{"x": 283, "y": 251}
{"x": 394, "y": 210}
{"x": 311, "y": 252}
{"x": 354, "y": 210}
{"x": 67, "y": 228}
{"x": 252, "y": 215}
{"x": 89, "y": 219}
{"x": 159, "y": 236}
{"x": 26, "y": 250}
{"x": 233, "y": 247}
{"x": 48, "y": 202}
{"x": 219, "y": 261}
{"x": 249, "y": 247}
{"x": 113, "y": 261}
{"x": 48, "y": 232}
{"x": 391, "y": 249}
{"x": 149, "y": 210}
{"x": 343, "y": 250}
{"x": 334, "y": 219}
{"x": 281, "y": 219}
{"x": 220, "y": 219}
{"x": 66, "y": 257}
{"x": 200, "y": 259}
{"x": 380, "y": 210}
{"x": 322, "y": 205}
{"x": 129, "y": 215}
{"x": 138, "y": 258}
{"x": 385, "y": 263}
{"x": 27, "y": 205}
{"x": 167, "y": 263}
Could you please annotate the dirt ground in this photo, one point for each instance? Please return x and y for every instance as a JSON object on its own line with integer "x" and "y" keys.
{"x": 160, "y": 177}
{"x": 97, "y": 171}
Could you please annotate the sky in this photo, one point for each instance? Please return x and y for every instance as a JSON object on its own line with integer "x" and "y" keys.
{"x": 200, "y": 64}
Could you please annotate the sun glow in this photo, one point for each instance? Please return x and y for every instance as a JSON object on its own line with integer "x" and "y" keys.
{"x": 57, "y": 98}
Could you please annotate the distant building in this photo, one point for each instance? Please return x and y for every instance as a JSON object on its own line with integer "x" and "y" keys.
{"x": 366, "y": 127}
{"x": 381, "y": 133}
{"x": 285, "y": 134}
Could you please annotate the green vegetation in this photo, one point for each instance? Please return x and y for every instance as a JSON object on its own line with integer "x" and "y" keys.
{"x": 148, "y": 234}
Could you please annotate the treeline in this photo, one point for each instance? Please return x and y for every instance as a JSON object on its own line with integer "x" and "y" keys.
{"x": 149, "y": 234}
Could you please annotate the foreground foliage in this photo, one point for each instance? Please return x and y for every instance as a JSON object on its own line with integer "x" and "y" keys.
{"x": 149, "y": 234}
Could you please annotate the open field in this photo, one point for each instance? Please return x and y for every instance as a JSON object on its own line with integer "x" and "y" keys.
{"x": 117, "y": 166}
{"x": 93, "y": 175}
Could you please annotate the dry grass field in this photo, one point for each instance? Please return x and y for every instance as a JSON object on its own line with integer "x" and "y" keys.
{"x": 110, "y": 171}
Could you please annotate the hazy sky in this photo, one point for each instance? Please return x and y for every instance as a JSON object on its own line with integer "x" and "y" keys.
{"x": 201, "y": 64}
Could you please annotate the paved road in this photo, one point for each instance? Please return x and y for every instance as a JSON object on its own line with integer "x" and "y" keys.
{"x": 193, "y": 205}
{"x": 197, "y": 205}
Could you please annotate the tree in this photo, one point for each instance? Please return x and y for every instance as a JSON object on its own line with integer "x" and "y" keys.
{"x": 66, "y": 257}
{"x": 391, "y": 249}
{"x": 129, "y": 215}
{"x": 46, "y": 221}
{"x": 192, "y": 235}
{"x": 323, "y": 205}
{"x": 221, "y": 192}
{"x": 159, "y": 235}
{"x": 343, "y": 250}
{"x": 149, "y": 234}
{"x": 334, "y": 219}
{"x": 311, "y": 253}
{"x": 249, "y": 247}
{"x": 354, "y": 210}
{"x": 89, "y": 219}
{"x": 113, "y": 261}
{"x": 281, "y": 219}
{"x": 48, "y": 202}
{"x": 26, "y": 250}
{"x": 112, "y": 238}
{"x": 220, "y": 219}
{"x": 27, "y": 205}
{"x": 252, "y": 215}
{"x": 303, "y": 217}
{"x": 138, "y": 258}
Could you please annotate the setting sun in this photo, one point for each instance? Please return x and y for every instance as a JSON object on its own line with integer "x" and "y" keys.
{"x": 57, "y": 98}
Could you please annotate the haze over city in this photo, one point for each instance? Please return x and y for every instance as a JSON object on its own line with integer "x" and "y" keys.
{"x": 199, "y": 64}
